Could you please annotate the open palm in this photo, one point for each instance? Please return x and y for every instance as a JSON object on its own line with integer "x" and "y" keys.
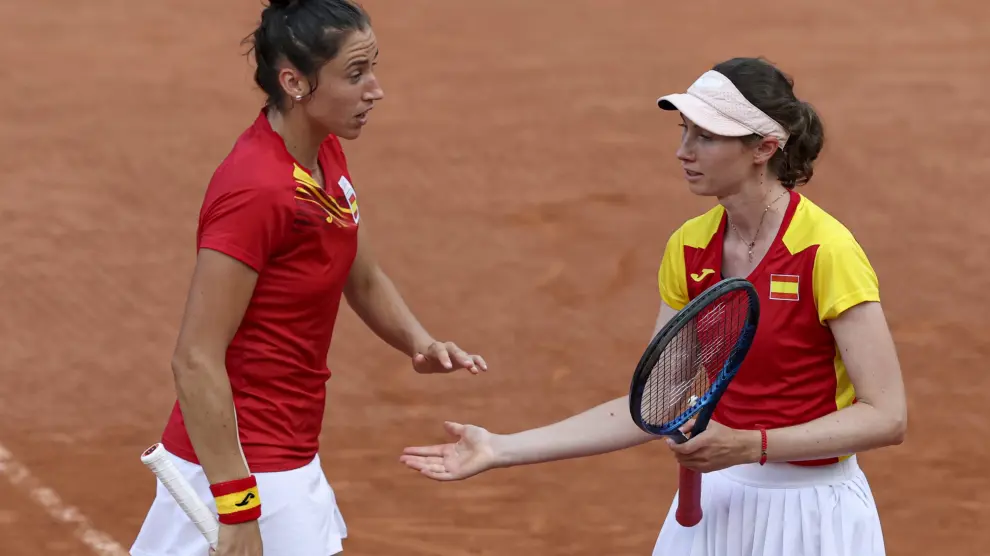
{"x": 472, "y": 453}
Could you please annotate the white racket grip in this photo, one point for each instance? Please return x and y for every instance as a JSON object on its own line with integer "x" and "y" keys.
{"x": 156, "y": 459}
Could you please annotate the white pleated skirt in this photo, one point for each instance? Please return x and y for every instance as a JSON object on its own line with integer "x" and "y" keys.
{"x": 779, "y": 509}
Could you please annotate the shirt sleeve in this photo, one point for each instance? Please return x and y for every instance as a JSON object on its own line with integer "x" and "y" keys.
{"x": 248, "y": 224}
{"x": 843, "y": 278}
{"x": 672, "y": 277}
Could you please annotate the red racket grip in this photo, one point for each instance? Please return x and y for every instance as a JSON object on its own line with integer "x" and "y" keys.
{"x": 689, "y": 498}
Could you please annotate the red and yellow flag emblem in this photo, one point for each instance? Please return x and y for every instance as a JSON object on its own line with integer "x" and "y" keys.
{"x": 784, "y": 287}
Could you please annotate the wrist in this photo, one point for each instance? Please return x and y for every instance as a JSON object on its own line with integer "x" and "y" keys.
{"x": 422, "y": 345}
{"x": 237, "y": 501}
{"x": 752, "y": 445}
{"x": 501, "y": 451}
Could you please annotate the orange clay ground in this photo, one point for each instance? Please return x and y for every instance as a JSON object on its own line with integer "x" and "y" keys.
{"x": 519, "y": 185}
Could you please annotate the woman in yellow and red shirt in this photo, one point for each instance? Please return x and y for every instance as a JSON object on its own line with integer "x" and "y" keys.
{"x": 822, "y": 380}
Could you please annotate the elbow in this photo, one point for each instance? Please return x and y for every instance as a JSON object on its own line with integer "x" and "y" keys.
{"x": 896, "y": 428}
{"x": 899, "y": 431}
{"x": 182, "y": 365}
{"x": 189, "y": 368}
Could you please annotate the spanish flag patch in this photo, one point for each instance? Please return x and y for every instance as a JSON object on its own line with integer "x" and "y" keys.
{"x": 784, "y": 287}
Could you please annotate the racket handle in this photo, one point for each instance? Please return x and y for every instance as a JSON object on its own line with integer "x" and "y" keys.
{"x": 157, "y": 460}
{"x": 689, "y": 498}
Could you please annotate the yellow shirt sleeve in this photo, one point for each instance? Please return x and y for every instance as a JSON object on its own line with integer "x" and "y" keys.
{"x": 843, "y": 278}
{"x": 672, "y": 277}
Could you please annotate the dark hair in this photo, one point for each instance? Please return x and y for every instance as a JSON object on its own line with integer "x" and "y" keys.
{"x": 772, "y": 91}
{"x": 306, "y": 33}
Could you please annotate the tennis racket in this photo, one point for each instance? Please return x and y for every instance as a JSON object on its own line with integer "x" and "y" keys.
{"x": 686, "y": 368}
{"x": 156, "y": 459}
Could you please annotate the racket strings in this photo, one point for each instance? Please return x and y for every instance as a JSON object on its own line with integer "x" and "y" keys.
{"x": 692, "y": 361}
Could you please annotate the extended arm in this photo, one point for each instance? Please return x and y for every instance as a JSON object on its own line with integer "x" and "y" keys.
{"x": 605, "y": 428}
{"x": 602, "y": 429}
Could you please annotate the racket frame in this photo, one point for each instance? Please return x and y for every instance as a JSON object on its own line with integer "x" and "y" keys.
{"x": 704, "y": 407}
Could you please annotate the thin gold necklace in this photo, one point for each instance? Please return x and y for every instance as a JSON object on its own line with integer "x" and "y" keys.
{"x": 750, "y": 244}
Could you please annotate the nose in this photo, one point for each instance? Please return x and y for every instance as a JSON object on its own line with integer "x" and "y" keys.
{"x": 685, "y": 151}
{"x": 374, "y": 91}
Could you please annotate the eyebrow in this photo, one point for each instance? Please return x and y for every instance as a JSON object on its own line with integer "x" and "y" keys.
{"x": 361, "y": 60}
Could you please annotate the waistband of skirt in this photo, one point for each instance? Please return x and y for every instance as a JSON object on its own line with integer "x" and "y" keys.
{"x": 786, "y": 475}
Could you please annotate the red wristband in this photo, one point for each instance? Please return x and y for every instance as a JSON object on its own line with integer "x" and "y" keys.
{"x": 763, "y": 445}
{"x": 237, "y": 501}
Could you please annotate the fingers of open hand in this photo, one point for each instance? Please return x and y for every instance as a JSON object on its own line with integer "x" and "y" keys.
{"x": 430, "y": 466}
{"x": 459, "y": 355}
{"x": 479, "y": 362}
{"x": 423, "y": 462}
{"x": 424, "y": 451}
{"x": 438, "y": 352}
{"x": 449, "y": 356}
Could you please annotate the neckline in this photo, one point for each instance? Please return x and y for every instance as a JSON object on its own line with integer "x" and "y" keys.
{"x": 793, "y": 198}
{"x": 266, "y": 126}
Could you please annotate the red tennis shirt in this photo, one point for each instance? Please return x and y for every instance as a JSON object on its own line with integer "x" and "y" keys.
{"x": 264, "y": 209}
{"x": 813, "y": 271}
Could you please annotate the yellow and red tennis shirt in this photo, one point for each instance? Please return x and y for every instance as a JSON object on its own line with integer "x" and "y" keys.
{"x": 264, "y": 209}
{"x": 814, "y": 270}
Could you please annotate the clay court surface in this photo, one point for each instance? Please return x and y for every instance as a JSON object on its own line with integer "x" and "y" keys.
{"x": 520, "y": 184}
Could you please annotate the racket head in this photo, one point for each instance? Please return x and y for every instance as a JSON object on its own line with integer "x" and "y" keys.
{"x": 691, "y": 360}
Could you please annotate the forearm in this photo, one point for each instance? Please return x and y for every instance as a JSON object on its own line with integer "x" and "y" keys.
{"x": 377, "y": 301}
{"x": 853, "y": 429}
{"x": 605, "y": 428}
{"x": 207, "y": 406}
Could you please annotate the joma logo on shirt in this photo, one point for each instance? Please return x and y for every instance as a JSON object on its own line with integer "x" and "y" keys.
{"x": 704, "y": 273}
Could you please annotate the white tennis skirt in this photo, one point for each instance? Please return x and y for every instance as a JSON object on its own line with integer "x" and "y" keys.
{"x": 779, "y": 509}
{"x": 299, "y": 515}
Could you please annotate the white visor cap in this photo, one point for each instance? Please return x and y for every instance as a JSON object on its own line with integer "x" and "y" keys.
{"x": 714, "y": 103}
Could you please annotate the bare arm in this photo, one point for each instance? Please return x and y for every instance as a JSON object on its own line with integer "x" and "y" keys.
{"x": 606, "y": 428}
{"x": 218, "y": 297}
{"x": 879, "y": 416}
{"x": 375, "y": 299}
{"x": 601, "y": 429}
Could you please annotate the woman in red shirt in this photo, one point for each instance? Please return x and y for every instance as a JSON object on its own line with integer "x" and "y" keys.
{"x": 280, "y": 241}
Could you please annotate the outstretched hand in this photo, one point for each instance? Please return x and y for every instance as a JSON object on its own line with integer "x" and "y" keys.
{"x": 472, "y": 453}
{"x": 446, "y": 357}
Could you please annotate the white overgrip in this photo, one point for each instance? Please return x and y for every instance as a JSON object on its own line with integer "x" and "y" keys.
{"x": 156, "y": 459}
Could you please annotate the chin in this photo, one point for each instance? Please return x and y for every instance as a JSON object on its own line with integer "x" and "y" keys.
{"x": 702, "y": 188}
{"x": 342, "y": 130}
{"x": 705, "y": 188}
{"x": 345, "y": 131}
{"x": 349, "y": 134}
